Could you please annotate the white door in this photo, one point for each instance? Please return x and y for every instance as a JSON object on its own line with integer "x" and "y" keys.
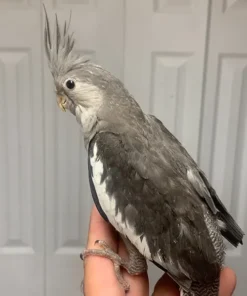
{"x": 224, "y": 132}
{"x": 21, "y": 150}
{"x": 98, "y": 27}
{"x": 164, "y": 62}
{"x": 164, "y": 65}
{"x": 183, "y": 60}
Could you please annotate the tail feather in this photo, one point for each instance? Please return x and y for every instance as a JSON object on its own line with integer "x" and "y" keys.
{"x": 202, "y": 289}
{"x": 230, "y": 230}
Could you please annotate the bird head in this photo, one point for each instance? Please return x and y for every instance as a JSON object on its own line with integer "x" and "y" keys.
{"x": 77, "y": 82}
{"x": 87, "y": 90}
{"x": 80, "y": 85}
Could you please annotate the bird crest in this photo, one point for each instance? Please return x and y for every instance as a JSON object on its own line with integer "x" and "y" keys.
{"x": 59, "y": 48}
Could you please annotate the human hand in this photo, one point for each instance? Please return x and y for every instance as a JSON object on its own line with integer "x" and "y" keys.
{"x": 100, "y": 278}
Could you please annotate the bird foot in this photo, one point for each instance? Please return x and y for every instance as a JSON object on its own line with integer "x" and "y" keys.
{"x": 107, "y": 252}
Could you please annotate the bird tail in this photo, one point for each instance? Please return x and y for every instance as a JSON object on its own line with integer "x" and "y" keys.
{"x": 231, "y": 231}
{"x": 202, "y": 289}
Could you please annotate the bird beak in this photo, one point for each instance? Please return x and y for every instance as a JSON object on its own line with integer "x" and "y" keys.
{"x": 61, "y": 101}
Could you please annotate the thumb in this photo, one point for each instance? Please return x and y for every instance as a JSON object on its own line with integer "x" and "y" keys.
{"x": 166, "y": 287}
{"x": 228, "y": 282}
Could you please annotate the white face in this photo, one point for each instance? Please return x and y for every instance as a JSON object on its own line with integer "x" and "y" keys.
{"x": 63, "y": 97}
{"x": 83, "y": 100}
{"x": 77, "y": 93}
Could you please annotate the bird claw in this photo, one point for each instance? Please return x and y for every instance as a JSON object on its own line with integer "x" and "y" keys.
{"x": 107, "y": 252}
{"x": 102, "y": 244}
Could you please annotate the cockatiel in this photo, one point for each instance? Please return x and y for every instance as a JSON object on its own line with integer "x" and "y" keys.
{"x": 143, "y": 182}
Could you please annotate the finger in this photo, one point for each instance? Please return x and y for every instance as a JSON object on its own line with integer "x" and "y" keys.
{"x": 99, "y": 274}
{"x": 166, "y": 287}
{"x": 100, "y": 229}
{"x": 138, "y": 283}
{"x": 227, "y": 282}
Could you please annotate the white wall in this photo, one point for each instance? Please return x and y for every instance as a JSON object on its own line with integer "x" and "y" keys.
{"x": 183, "y": 60}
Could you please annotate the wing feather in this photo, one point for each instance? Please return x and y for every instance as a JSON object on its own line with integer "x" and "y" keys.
{"x": 167, "y": 211}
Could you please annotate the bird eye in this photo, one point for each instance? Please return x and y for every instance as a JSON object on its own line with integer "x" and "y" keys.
{"x": 70, "y": 84}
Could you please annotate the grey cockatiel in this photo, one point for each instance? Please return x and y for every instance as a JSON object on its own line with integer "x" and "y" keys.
{"x": 142, "y": 180}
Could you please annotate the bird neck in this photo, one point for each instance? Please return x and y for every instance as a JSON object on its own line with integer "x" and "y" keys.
{"x": 88, "y": 121}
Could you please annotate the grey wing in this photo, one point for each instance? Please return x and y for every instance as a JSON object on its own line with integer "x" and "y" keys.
{"x": 181, "y": 160}
{"x": 168, "y": 217}
{"x": 169, "y": 152}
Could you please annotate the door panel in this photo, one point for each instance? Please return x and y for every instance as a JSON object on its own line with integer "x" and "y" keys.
{"x": 164, "y": 62}
{"x": 223, "y": 154}
{"x": 21, "y": 150}
{"x": 98, "y": 28}
{"x": 164, "y": 65}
